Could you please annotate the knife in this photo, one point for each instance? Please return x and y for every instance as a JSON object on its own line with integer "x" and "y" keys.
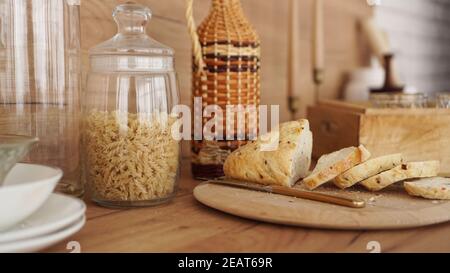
{"x": 315, "y": 196}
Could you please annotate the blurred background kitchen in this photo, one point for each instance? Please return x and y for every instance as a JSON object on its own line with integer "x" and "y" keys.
{"x": 345, "y": 40}
{"x": 418, "y": 33}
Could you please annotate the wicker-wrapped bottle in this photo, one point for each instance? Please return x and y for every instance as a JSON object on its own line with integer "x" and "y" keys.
{"x": 226, "y": 72}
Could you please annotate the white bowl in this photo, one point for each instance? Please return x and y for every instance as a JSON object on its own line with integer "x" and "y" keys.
{"x": 13, "y": 149}
{"x": 25, "y": 190}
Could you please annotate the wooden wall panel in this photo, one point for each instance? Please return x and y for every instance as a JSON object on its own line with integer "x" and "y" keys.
{"x": 168, "y": 26}
{"x": 344, "y": 50}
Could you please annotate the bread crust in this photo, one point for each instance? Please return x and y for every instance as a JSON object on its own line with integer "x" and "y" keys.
{"x": 359, "y": 155}
{"x": 367, "y": 169}
{"x": 250, "y": 163}
{"x": 400, "y": 173}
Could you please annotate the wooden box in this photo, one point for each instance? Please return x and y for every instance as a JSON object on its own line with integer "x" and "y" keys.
{"x": 420, "y": 134}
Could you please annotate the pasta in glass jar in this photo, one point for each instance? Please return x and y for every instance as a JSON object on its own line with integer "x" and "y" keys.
{"x": 130, "y": 156}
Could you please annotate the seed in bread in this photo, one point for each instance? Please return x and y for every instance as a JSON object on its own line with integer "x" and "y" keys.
{"x": 367, "y": 169}
{"x": 331, "y": 165}
{"x": 400, "y": 173}
{"x": 436, "y": 188}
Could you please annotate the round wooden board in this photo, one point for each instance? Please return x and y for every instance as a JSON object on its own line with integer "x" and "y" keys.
{"x": 391, "y": 209}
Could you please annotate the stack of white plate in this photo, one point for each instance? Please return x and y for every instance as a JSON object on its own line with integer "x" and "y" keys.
{"x": 31, "y": 216}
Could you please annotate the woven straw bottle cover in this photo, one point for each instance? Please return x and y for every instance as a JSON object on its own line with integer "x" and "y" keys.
{"x": 226, "y": 72}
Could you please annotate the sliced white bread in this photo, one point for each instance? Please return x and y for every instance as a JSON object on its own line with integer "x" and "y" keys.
{"x": 283, "y": 166}
{"x": 436, "y": 188}
{"x": 401, "y": 173}
{"x": 367, "y": 169}
{"x": 331, "y": 165}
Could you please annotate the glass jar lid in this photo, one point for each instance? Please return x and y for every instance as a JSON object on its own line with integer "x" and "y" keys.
{"x": 131, "y": 49}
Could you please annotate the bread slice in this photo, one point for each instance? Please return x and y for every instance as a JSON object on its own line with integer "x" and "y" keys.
{"x": 437, "y": 188}
{"x": 367, "y": 169}
{"x": 283, "y": 166}
{"x": 401, "y": 173}
{"x": 331, "y": 165}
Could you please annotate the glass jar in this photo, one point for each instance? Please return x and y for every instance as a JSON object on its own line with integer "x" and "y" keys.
{"x": 40, "y": 82}
{"x": 443, "y": 100}
{"x": 130, "y": 156}
{"x": 399, "y": 100}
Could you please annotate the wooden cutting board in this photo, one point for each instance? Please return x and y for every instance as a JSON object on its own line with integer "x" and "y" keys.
{"x": 390, "y": 209}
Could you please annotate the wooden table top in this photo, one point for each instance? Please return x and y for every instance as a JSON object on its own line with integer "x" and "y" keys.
{"x": 184, "y": 225}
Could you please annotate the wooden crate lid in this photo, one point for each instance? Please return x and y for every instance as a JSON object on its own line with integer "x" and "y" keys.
{"x": 367, "y": 109}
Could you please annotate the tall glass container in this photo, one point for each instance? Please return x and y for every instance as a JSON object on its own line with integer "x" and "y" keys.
{"x": 40, "y": 81}
{"x": 131, "y": 158}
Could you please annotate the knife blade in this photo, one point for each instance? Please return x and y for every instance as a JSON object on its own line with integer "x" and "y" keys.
{"x": 314, "y": 196}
